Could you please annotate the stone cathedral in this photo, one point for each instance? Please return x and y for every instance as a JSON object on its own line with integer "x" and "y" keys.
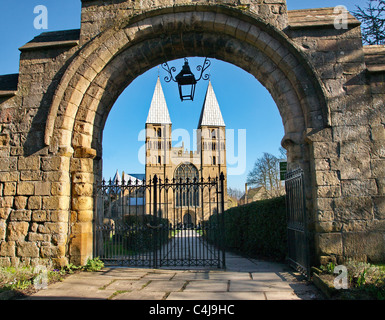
{"x": 166, "y": 161}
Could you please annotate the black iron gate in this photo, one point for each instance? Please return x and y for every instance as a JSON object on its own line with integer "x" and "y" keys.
{"x": 297, "y": 233}
{"x": 160, "y": 223}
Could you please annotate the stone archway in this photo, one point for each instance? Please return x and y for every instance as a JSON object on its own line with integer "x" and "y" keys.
{"x": 329, "y": 114}
{"x": 108, "y": 63}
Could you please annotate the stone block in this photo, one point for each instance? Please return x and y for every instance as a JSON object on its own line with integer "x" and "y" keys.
{"x": 49, "y": 251}
{"x": 8, "y": 164}
{"x": 329, "y": 243}
{"x": 29, "y": 163}
{"x": 378, "y": 149}
{"x": 328, "y": 191}
{"x": 327, "y": 178}
{"x": 9, "y": 176}
{"x": 82, "y": 189}
{"x": 39, "y": 216}
{"x": 34, "y": 203}
{"x": 379, "y": 208}
{"x": 359, "y": 245}
{"x": 354, "y": 166}
{"x": 27, "y": 249}
{"x": 43, "y": 188}
{"x": 347, "y": 130}
{"x": 7, "y": 249}
{"x": 53, "y": 228}
{"x": 9, "y": 189}
{"x": 5, "y": 212}
{"x": 17, "y": 231}
{"x": 82, "y": 203}
{"x": 30, "y": 175}
{"x": 26, "y": 188}
{"x": 350, "y": 208}
{"x": 81, "y": 248}
{"x": 363, "y": 187}
{"x": 378, "y": 133}
{"x": 82, "y": 227}
{"x": 328, "y": 226}
{"x": 60, "y": 189}
{"x": 56, "y": 203}
{"x": 324, "y": 150}
{"x": 324, "y": 204}
{"x": 51, "y": 164}
{"x": 20, "y": 202}
{"x": 20, "y": 215}
{"x": 325, "y": 215}
{"x": 6, "y": 202}
{"x": 378, "y": 168}
{"x": 81, "y": 165}
{"x": 59, "y": 216}
{"x": 34, "y": 237}
{"x": 85, "y": 216}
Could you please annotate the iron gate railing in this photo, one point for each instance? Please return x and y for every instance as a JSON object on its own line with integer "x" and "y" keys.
{"x": 160, "y": 223}
{"x": 297, "y": 232}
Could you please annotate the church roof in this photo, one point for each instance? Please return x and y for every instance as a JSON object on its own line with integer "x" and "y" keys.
{"x": 134, "y": 178}
{"x": 211, "y": 113}
{"x": 158, "y": 112}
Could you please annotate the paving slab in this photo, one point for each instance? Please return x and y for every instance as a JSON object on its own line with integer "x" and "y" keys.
{"x": 251, "y": 286}
{"x": 126, "y": 285}
{"x": 229, "y": 275}
{"x": 164, "y": 286}
{"x": 267, "y": 276}
{"x": 243, "y": 279}
{"x": 159, "y": 276}
{"x": 143, "y": 295}
{"x": 207, "y": 286}
{"x": 191, "y": 295}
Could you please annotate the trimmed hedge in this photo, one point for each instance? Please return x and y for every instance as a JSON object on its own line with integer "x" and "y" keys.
{"x": 258, "y": 229}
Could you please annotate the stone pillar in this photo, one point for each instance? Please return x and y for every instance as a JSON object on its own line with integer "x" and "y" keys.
{"x": 82, "y": 179}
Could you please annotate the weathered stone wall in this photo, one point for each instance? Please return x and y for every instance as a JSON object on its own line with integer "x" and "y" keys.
{"x": 98, "y": 16}
{"x": 34, "y": 204}
{"x": 331, "y": 99}
{"x": 348, "y": 156}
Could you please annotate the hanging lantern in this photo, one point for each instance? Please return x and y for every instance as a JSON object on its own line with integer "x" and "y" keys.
{"x": 186, "y": 82}
{"x": 186, "y": 79}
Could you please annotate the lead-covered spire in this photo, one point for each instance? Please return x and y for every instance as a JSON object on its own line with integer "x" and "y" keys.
{"x": 158, "y": 113}
{"x": 211, "y": 113}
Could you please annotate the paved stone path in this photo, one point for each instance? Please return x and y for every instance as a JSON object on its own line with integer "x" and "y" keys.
{"x": 243, "y": 279}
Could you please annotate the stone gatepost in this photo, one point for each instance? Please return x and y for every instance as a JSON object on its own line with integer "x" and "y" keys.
{"x": 82, "y": 209}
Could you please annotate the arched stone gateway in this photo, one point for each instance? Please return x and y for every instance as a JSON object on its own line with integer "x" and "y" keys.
{"x": 328, "y": 88}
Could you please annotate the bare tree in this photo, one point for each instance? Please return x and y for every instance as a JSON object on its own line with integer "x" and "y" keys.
{"x": 372, "y": 22}
{"x": 265, "y": 173}
{"x": 235, "y": 193}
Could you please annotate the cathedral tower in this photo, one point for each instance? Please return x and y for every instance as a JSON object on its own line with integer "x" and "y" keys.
{"x": 212, "y": 137}
{"x": 158, "y": 137}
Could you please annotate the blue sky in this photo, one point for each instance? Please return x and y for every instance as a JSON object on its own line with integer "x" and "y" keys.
{"x": 244, "y": 103}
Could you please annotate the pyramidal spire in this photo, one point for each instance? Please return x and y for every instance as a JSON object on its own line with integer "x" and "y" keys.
{"x": 211, "y": 113}
{"x": 116, "y": 178}
{"x": 158, "y": 112}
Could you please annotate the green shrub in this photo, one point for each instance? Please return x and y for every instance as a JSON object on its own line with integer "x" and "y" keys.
{"x": 257, "y": 229}
{"x": 94, "y": 265}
